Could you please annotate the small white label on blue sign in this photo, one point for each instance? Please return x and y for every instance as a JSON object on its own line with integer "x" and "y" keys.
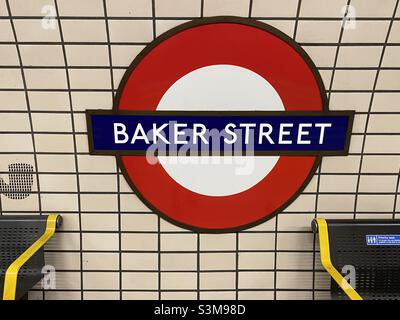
{"x": 383, "y": 239}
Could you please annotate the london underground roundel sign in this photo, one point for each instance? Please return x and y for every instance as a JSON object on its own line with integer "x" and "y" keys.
{"x": 233, "y": 75}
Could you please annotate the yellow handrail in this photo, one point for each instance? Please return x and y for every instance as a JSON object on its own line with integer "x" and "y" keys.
{"x": 327, "y": 263}
{"x": 11, "y": 277}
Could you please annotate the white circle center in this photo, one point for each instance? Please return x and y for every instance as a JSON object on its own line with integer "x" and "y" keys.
{"x": 220, "y": 87}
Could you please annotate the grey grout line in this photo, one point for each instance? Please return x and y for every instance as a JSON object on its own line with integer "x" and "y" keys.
{"x": 277, "y": 216}
{"x": 104, "y": 90}
{"x": 310, "y": 193}
{"x": 87, "y": 153}
{"x": 80, "y": 112}
{"x": 334, "y": 212}
{"x": 130, "y": 43}
{"x": 85, "y": 133}
{"x": 110, "y": 62}
{"x": 272, "y": 18}
{"x": 193, "y": 271}
{"x": 396, "y": 195}
{"x": 198, "y": 234}
{"x": 198, "y": 265}
{"x": 124, "y": 67}
{"x": 153, "y": 19}
{"x": 250, "y": 8}
{"x": 109, "y": 173}
{"x": 296, "y": 21}
{"x": 371, "y": 104}
{"x": 295, "y": 251}
{"x": 192, "y": 290}
{"x": 75, "y": 148}
{"x": 237, "y": 278}
{"x": 184, "y": 232}
{"x": 28, "y": 105}
{"x": 320, "y": 166}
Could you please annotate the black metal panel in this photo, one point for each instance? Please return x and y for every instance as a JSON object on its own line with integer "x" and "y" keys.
{"x": 377, "y": 266}
{"x": 18, "y": 233}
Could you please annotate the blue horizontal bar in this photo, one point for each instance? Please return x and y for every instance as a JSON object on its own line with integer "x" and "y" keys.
{"x": 259, "y": 133}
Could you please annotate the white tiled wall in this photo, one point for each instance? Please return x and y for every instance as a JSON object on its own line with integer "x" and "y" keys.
{"x": 111, "y": 246}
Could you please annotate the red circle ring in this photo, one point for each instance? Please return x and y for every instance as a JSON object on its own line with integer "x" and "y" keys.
{"x": 235, "y": 41}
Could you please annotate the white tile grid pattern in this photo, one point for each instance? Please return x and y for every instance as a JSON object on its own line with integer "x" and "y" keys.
{"x": 111, "y": 246}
